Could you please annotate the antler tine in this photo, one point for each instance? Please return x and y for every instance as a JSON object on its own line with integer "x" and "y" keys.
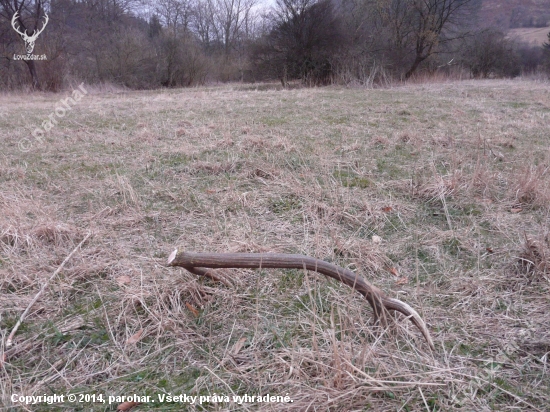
{"x": 46, "y": 20}
{"x": 379, "y": 302}
{"x": 14, "y": 22}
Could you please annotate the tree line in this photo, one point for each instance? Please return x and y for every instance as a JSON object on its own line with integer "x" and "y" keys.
{"x": 145, "y": 44}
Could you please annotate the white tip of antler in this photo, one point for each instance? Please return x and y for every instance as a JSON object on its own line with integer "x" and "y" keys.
{"x": 172, "y": 256}
{"x": 417, "y": 320}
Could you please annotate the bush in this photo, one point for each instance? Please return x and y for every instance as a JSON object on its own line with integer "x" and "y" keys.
{"x": 490, "y": 54}
{"x": 531, "y": 58}
{"x": 546, "y": 55}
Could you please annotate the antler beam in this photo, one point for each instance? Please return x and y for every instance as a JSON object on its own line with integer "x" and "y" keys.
{"x": 379, "y": 302}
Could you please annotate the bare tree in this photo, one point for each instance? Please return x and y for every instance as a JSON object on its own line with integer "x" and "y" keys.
{"x": 227, "y": 19}
{"x": 418, "y": 27}
{"x": 202, "y": 23}
{"x": 175, "y": 14}
{"x": 305, "y": 37}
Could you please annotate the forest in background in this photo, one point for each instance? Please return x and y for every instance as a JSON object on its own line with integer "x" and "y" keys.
{"x": 143, "y": 44}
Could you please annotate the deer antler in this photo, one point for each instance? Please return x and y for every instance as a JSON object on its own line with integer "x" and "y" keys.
{"x": 29, "y": 40}
{"x": 46, "y": 20}
{"x": 379, "y": 302}
{"x": 17, "y": 29}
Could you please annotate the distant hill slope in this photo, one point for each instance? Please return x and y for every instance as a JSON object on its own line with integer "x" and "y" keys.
{"x": 509, "y": 14}
{"x": 535, "y": 36}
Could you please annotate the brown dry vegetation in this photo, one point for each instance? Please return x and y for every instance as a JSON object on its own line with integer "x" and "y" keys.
{"x": 454, "y": 178}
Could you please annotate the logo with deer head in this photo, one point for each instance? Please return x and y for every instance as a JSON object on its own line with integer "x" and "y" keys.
{"x": 29, "y": 40}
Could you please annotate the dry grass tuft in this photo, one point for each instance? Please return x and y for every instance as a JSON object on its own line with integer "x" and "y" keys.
{"x": 531, "y": 186}
{"x": 54, "y": 233}
{"x": 534, "y": 258}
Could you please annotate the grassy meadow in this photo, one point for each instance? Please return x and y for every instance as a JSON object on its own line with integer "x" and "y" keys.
{"x": 535, "y": 36}
{"x": 439, "y": 194}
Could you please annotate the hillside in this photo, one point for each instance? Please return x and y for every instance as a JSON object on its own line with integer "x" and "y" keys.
{"x": 508, "y": 14}
{"x": 534, "y": 36}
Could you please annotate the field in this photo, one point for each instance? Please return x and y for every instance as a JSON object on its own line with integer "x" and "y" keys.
{"x": 535, "y": 36}
{"x": 439, "y": 194}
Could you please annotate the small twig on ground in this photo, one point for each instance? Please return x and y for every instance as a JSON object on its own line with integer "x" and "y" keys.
{"x": 424, "y": 399}
{"x": 9, "y": 341}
